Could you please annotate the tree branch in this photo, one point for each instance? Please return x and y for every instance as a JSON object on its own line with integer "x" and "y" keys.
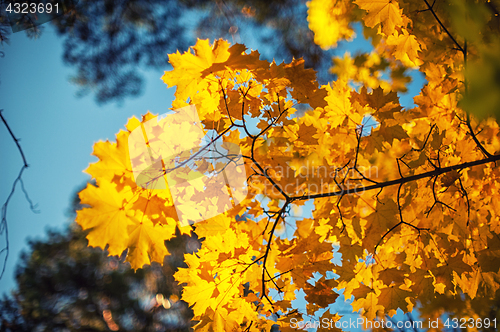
{"x": 479, "y": 145}
{"x": 431, "y": 9}
{"x": 14, "y": 138}
{"x": 3, "y": 223}
{"x": 268, "y": 248}
{"x": 437, "y": 171}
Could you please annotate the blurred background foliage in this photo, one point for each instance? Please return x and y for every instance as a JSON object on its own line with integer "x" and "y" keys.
{"x": 474, "y": 23}
{"x": 63, "y": 285}
{"x": 108, "y": 42}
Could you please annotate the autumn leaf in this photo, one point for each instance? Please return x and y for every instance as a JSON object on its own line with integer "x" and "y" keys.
{"x": 406, "y": 48}
{"x": 114, "y": 160}
{"x": 393, "y": 298}
{"x": 369, "y": 306}
{"x": 107, "y": 219}
{"x": 190, "y": 65}
{"x": 147, "y": 242}
{"x": 384, "y": 12}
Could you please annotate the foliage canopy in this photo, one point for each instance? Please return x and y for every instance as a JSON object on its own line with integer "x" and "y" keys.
{"x": 403, "y": 214}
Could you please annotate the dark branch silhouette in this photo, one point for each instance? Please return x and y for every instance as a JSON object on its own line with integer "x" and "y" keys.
{"x": 4, "y": 229}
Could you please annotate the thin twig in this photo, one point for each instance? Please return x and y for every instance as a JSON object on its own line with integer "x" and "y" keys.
{"x": 401, "y": 221}
{"x": 15, "y": 139}
{"x": 268, "y": 248}
{"x": 474, "y": 137}
{"x": 3, "y": 223}
{"x": 431, "y": 9}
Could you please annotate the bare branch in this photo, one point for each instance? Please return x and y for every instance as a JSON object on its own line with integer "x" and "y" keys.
{"x": 14, "y": 138}
{"x": 3, "y": 223}
{"x": 474, "y": 137}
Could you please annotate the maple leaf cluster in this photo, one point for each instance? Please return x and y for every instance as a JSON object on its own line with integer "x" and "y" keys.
{"x": 407, "y": 213}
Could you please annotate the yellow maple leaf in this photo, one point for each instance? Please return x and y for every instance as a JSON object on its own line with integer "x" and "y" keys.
{"x": 157, "y": 208}
{"x": 107, "y": 219}
{"x": 339, "y": 106}
{"x": 188, "y": 67}
{"x": 306, "y": 88}
{"x": 369, "y": 305}
{"x": 213, "y": 226}
{"x": 344, "y": 68}
{"x": 406, "y": 48}
{"x": 113, "y": 224}
{"x": 393, "y": 298}
{"x": 147, "y": 242}
{"x": 114, "y": 160}
{"x": 384, "y": 12}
